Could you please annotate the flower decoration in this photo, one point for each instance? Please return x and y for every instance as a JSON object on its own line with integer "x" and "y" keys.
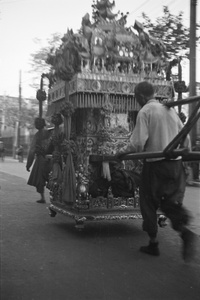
{"x": 41, "y": 95}
{"x": 106, "y": 148}
{"x": 105, "y": 112}
{"x": 107, "y": 109}
{"x": 56, "y": 119}
{"x": 39, "y": 123}
{"x": 67, "y": 146}
{"x": 67, "y": 109}
{"x": 82, "y": 178}
{"x": 103, "y": 135}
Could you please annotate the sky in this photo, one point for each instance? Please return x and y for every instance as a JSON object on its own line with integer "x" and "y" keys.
{"x": 22, "y": 21}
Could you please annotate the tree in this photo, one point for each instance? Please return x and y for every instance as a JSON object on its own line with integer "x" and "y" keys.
{"x": 38, "y": 58}
{"x": 171, "y": 30}
{"x": 27, "y": 117}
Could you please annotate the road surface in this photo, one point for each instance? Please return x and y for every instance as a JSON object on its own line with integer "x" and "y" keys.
{"x": 46, "y": 258}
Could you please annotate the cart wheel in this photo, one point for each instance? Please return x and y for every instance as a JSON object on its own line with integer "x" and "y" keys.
{"x": 52, "y": 213}
{"x": 79, "y": 225}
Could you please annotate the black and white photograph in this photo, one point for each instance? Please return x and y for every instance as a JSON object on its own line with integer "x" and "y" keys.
{"x": 99, "y": 150}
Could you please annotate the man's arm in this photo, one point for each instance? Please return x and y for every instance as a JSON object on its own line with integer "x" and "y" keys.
{"x": 31, "y": 154}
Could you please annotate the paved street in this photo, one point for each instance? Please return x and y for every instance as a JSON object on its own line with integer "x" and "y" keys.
{"x": 46, "y": 258}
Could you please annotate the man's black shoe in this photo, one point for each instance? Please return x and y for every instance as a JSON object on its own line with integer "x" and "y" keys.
{"x": 151, "y": 249}
{"x": 189, "y": 245}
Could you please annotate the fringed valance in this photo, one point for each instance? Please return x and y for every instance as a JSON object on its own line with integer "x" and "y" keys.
{"x": 118, "y": 103}
{"x": 105, "y": 84}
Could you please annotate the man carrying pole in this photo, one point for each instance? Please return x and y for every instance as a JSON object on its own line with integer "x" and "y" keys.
{"x": 163, "y": 179}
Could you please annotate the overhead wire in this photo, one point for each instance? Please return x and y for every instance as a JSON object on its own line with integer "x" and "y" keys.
{"x": 153, "y": 10}
{"x": 142, "y": 5}
{"x": 158, "y": 8}
{"x": 139, "y": 7}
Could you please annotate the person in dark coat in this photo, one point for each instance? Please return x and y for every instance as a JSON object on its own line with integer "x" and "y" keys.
{"x": 41, "y": 167}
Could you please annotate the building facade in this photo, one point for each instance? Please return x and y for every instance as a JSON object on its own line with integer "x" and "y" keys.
{"x": 14, "y": 131}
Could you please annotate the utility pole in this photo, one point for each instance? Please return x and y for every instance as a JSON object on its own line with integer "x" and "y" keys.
{"x": 20, "y": 106}
{"x": 193, "y": 132}
{"x": 20, "y": 109}
{"x": 180, "y": 80}
{"x": 40, "y": 102}
{"x": 192, "y": 90}
{"x": 18, "y": 123}
{"x": 2, "y": 114}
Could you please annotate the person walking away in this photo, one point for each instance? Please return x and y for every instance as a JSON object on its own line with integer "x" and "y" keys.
{"x": 20, "y": 153}
{"x": 163, "y": 180}
{"x": 2, "y": 151}
{"x": 40, "y": 170}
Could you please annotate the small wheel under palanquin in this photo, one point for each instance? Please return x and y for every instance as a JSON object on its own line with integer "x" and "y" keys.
{"x": 162, "y": 221}
{"x": 79, "y": 223}
{"x": 52, "y": 213}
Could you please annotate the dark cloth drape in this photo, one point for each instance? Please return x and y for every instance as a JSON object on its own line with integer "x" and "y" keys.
{"x": 69, "y": 179}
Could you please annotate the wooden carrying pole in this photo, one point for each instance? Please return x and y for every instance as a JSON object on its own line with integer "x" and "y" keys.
{"x": 184, "y": 153}
{"x": 191, "y": 123}
{"x": 188, "y": 100}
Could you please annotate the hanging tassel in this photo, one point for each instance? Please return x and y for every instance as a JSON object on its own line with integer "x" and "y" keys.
{"x": 106, "y": 170}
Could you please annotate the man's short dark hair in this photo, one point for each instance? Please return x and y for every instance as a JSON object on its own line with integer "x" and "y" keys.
{"x": 144, "y": 88}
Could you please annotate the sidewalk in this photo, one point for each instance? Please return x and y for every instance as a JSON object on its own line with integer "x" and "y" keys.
{"x": 193, "y": 183}
{"x": 11, "y": 159}
{"x": 14, "y": 167}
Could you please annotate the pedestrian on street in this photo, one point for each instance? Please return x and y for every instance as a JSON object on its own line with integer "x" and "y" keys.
{"x": 20, "y": 153}
{"x": 163, "y": 180}
{"x": 2, "y": 151}
{"x": 41, "y": 168}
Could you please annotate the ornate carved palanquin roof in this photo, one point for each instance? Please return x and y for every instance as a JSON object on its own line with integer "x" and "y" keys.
{"x": 107, "y": 58}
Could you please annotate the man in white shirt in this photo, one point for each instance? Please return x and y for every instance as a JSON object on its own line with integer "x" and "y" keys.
{"x": 163, "y": 181}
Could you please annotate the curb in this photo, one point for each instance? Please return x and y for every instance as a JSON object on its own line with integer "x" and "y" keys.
{"x": 193, "y": 183}
{"x": 10, "y": 159}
